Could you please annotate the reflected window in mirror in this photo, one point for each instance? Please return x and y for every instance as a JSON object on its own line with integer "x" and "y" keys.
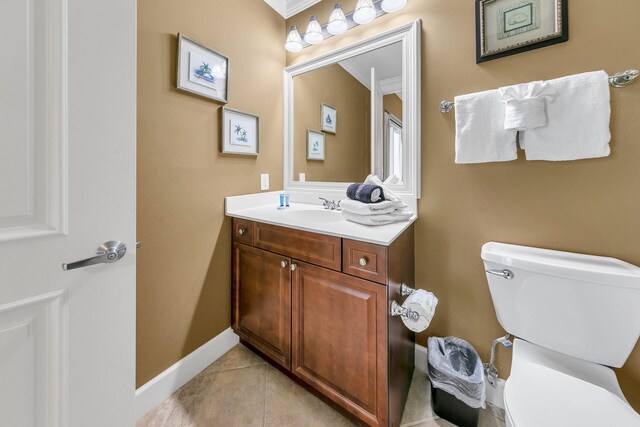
{"x": 393, "y": 148}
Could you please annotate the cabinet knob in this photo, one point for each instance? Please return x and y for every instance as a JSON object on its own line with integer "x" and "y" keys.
{"x": 283, "y": 264}
{"x": 293, "y": 267}
{"x": 241, "y": 231}
{"x": 363, "y": 261}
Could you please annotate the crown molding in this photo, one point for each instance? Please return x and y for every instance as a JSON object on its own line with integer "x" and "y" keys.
{"x": 288, "y": 8}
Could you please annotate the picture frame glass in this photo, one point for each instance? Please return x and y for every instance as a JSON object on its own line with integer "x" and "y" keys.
{"x": 328, "y": 118}
{"x": 315, "y": 145}
{"x": 509, "y": 24}
{"x": 201, "y": 70}
{"x": 240, "y": 132}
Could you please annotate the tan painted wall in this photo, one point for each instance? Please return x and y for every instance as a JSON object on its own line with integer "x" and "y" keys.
{"x": 347, "y": 153}
{"x": 184, "y": 266}
{"x": 393, "y": 104}
{"x": 589, "y": 206}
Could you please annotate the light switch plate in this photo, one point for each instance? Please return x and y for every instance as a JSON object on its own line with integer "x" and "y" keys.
{"x": 303, "y": 177}
{"x": 264, "y": 181}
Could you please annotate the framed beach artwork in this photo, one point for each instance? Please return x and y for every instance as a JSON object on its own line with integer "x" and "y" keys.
{"x": 328, "y": 118}
{"x": 315, "y": 145}
{"x": 507, "y": 27}
{"x": 240, "y": 132}
{"x": 202, "y": 70}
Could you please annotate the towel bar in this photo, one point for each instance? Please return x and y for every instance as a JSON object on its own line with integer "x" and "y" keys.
{"x": 622, "y": 79}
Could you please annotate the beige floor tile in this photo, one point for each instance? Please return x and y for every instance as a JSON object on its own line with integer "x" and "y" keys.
{"x": 438, "y": 422}
{"x": 289, "y": 405}
{"x": 418, "y": 406}
{"x": 492, "y": 416}
{"x": 232, "y": 398}
{"x": 236, "y": 358}
{"x": 157, "y": 416}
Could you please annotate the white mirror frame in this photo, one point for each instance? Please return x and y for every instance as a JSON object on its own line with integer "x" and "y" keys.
{"x": 409, "y": 35}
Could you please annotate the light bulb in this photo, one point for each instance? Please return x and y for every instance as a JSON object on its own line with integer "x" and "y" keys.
{"x": 337, "y": 21}
{"x": 365, "y": 12}
{"x": 314, "y": 32}
{"x": 391, "y": 6}
{"x": 294, "y": 42}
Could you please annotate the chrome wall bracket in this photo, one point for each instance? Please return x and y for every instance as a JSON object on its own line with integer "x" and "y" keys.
{"x": 398, "y": 310}
{"x": 405, "y": 291}
{"x": 624, "y": 78}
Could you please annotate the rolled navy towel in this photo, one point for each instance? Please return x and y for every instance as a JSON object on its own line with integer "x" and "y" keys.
{"x": 365, "y": 193}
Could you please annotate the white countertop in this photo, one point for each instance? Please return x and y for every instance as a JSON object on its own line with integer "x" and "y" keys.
{"x": 263, "y": 207}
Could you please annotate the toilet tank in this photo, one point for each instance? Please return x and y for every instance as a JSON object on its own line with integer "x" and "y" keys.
{"x": 581, "y": 305}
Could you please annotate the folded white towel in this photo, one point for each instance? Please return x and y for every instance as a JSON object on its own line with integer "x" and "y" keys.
{"x": 397, "y": 216}
{"x": 480, "y": 133}
{"x": 356, "y": 207}
{"x": 392, "y": 179}
{"x": 524, "y": 105}
{"x": 578, "y": 120}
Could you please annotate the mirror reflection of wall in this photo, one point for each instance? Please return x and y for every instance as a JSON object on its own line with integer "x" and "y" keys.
{"x": 346, "y": 151}
{"x": 360, "y": 88}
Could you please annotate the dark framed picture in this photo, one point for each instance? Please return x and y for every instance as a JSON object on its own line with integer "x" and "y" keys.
{"x": 240, "y": 132}
{"x": 507, "y": 27}
{"x": 202, "y": 70}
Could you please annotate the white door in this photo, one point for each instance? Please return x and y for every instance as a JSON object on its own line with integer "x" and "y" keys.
{"x": 376, "y": 125}
{"x": 67, "y": 184}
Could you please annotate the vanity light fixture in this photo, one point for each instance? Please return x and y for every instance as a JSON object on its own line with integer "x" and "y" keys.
{"x": 391, "y": 6}
{"x": 314, "y": 32}
{"x": 365, "y": 12}
{"x": 337, "y": 21}
{"x": 294, "y": 41}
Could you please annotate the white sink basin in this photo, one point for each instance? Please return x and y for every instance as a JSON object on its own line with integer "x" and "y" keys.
{"x": 315, "y": 216}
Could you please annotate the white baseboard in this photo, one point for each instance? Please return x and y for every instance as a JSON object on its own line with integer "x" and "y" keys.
{"x": 181, "y": 372}
{"x": 494, "y": 395}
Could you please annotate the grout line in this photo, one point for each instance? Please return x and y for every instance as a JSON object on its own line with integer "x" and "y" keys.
{"x": 264, "y": 412}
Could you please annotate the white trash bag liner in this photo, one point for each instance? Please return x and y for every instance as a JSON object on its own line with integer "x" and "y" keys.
{"x": 455, "y": 367}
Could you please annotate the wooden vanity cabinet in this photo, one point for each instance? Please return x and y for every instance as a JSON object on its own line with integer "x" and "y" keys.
{"x": 318, "y": 307}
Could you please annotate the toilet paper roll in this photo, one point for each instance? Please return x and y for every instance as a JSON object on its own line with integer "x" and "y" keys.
{"x": 424, "y": 304}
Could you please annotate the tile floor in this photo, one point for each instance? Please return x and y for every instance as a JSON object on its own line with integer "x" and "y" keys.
{"x": 240, "y": 389}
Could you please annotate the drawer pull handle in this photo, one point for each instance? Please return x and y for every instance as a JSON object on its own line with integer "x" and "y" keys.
{"x": 293, "y": 267}
{"x": 283, "y": 264}
{"x": 363, "y": 261}
{"x": 241, "y": 231}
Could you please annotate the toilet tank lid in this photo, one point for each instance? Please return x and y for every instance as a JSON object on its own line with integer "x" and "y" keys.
{"x": 589, "y": 268}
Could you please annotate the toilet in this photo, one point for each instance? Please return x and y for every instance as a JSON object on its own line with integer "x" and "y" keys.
{"x": 575, "y": 316}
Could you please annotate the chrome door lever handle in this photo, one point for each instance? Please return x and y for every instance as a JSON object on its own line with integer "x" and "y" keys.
{"x": 106, "y": 253}
{"x": 505, "y": 274}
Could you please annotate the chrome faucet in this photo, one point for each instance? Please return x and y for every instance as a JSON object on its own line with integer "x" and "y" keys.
{"x": 330, "y": 204}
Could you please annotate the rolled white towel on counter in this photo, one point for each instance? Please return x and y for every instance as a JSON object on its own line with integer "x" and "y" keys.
{"x": 383, "y": 219}
{"x": 356, "y": 207}
{"x": 388, "y": 194}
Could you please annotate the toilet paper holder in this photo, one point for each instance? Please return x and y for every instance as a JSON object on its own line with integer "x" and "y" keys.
{"x": 399, "y": 310}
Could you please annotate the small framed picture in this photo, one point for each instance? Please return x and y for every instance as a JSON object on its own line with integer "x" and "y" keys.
{"x": 315, "y": 145}
{"x": 202, "y": 70}
{"x": 507, "y": 27}
{"x": 328, "y": 119}
{"x": 240, "y": 132}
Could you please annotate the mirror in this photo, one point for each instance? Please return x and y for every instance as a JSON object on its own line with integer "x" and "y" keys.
{"x": 353, "y": 112}
{"x": 335, "y": 110}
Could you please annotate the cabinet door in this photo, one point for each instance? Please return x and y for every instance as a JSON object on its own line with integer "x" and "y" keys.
{"x": 339, "y": 339}
{"x": 262, "y": 301}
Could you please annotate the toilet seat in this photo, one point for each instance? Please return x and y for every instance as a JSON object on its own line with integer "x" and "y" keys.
{"x": 550, "y": 389}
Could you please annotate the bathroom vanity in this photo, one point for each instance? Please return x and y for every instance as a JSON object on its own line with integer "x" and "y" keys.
{"x": 317, "y": 306}
{"x": 312, "y": 292}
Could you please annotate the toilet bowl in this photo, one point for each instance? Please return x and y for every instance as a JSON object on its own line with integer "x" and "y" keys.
{"x": 575, "y": 316}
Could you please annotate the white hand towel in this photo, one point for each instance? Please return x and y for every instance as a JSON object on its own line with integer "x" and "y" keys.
{"x": 397, "y": 216}
{"x": 388, "y": 194}
{"x": 356, "y": 207}
{"x": 524, "y": 105}
{"x": 578, "y": 120}
{"x": 480, "y": 133}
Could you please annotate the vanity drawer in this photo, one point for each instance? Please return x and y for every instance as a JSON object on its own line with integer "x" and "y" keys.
{"x": 314, "y": 248}
{"x": 243, "y": 231}
{"x": 364, "y": 260}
